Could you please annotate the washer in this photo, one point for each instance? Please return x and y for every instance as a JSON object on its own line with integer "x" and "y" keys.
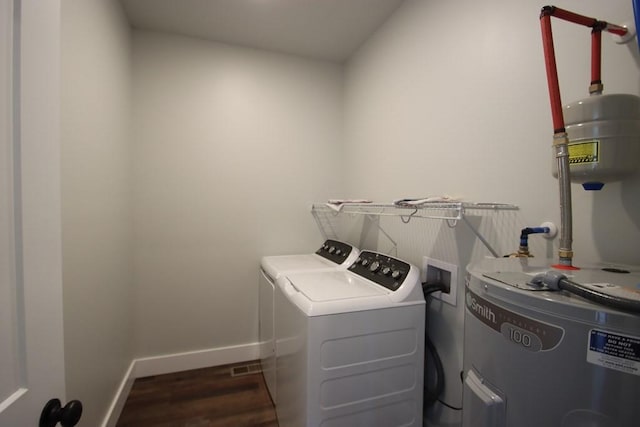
{"x": 350, "y": 345}
{"x": 332, "y": 255}
{"x": 536, "y": 357}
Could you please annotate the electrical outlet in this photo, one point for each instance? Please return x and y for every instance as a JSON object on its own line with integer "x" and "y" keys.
{"x": 436, "y": 271}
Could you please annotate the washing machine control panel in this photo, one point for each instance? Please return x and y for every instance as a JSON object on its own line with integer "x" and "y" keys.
{"x": 335, "y": 251}
{"x": 381, "y": 269}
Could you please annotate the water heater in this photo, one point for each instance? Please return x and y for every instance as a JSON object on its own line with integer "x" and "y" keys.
{"x": 604, "y": 139}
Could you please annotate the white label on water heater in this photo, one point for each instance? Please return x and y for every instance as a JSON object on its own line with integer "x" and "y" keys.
{"x": 614, "y": 351}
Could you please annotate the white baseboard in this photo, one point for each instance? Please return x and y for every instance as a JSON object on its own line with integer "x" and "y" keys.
{"x": 113, "y": 413}
{"x": 158, "y": 365}
{"x": 166, "y": 364}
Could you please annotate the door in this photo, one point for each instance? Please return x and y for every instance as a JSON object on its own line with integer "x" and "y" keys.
{"x": 31, "y": 341}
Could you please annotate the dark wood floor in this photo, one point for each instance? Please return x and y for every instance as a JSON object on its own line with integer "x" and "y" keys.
{"x": 209, "y": 397}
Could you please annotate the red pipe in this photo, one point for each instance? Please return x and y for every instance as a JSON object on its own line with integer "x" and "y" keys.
{"x": 596, "y": 46}
{"x": 552, "y": 74}
{"x": 570, "y": 16}
{"x": 616, "y": 29}
{"x": 583, "y": 20}
{"x": 550, "y": 60}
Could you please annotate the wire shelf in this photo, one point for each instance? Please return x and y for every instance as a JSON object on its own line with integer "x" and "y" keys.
{"x": 327, "y": 215}
{"x": 430, "y": 210}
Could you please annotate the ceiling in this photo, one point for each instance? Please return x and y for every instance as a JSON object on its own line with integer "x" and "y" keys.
{"x": 322, "y": 29}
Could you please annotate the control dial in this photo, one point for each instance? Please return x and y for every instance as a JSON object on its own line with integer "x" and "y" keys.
{"x": 386, "y": 271}
{"x": 375, "y": 266}
{"x": 396, "y": 274}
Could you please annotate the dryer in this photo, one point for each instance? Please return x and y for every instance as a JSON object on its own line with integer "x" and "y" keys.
{"x": 350, "y": 345}
{"x": 332, "y": 255}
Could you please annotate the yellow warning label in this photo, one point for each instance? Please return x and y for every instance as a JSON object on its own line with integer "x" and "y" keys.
{"x": 584, "y": 152}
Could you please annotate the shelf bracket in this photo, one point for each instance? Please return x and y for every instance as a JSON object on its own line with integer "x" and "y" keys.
{"x": 480, "y": 237}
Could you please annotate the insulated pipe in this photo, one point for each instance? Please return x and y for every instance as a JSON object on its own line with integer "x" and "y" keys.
{"x": 596, "y": 49}
{"x": 557, "y": 281}
{"x": 596, "y": 41}
{"x": 552, "y": 73}
{"x": 583, "y": 20}
{"x": 618, "y": 30}
{"x": 569, "y": 16}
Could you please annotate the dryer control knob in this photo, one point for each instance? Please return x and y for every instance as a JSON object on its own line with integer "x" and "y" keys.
{"x": 375, "y": 266}
{"x": 396, "y": 274}
{"x": 386, "y": 271}
{"x": 365, "y": 262}
{"x": 332, "y": 249}
{"x": 338, "y": 251}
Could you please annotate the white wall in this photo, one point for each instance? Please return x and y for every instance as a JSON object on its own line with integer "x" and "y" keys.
{"x": 96, "y": 219}
{"x": 231, "y": 146}
{"x": 450, "y": 97}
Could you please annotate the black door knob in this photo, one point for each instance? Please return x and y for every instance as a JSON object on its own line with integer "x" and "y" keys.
{"x": 53, "y": 413}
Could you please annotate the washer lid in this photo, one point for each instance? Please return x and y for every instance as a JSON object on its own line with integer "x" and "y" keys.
{"x": 276, "y": 266}
{"x": 333, "y": 292}
{"x": 332, "y": 255}
{"x": 332, "y": 286}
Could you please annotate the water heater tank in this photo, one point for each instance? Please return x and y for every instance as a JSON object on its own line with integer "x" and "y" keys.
{"x": 604, "y": 139}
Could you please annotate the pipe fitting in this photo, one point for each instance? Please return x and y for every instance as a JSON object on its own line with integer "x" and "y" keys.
{"x": 565, "y": 254}
{"x": 523, "y": 249}
{"x": 552, "y": 279}
{"x": 553, "y": 229}
{"x": 560, "y": 138}
{"x": 547, "y": 11}
{"x": 596, "y": 88}
{"x": 523, "y": 253}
